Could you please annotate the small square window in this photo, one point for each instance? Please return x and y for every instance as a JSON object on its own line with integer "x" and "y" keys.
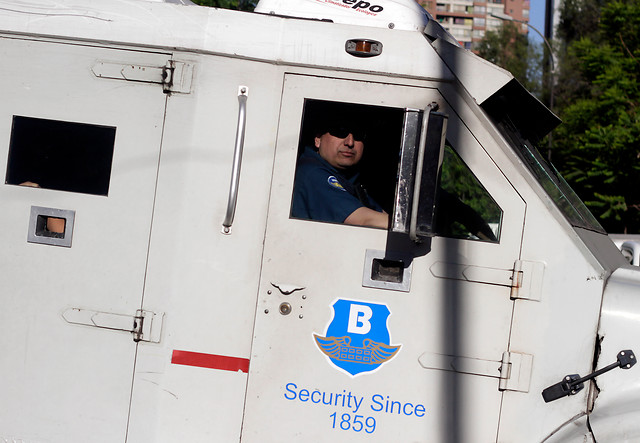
{"x": 65, "y": 156}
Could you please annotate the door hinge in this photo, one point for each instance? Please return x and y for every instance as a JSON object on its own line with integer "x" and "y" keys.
{"x": 144, "y": 326}
{"x": 527, "y": 280}
{"x": 524, "y": 280}
{"x": 515, "y": 372}
{"x": 177, "y": 77}
{"x": 174, "y": 76}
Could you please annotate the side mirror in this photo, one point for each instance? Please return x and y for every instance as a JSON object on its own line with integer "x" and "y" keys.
{"x": 423, "y": 138}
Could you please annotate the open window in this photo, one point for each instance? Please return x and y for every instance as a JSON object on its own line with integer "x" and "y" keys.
{"x": 453, "y": 202}
{"x": 64, "y": 156}
{"x": 464, "y": 208}
{"x": 378, "y": 128}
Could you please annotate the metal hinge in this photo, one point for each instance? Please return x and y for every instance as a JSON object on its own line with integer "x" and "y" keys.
{"x": 524, "y": 280}
{"x": 144, "y": 326}
{"x": 515, "y": 372}
{"x": 174, "y": 76}
{"x": 527, "y": 280}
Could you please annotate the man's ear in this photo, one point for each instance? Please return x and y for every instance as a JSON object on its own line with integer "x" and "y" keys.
{"x": 317, "y": 142}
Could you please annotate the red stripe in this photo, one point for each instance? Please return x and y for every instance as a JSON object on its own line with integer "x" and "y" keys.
{"x": 210, "y": 361}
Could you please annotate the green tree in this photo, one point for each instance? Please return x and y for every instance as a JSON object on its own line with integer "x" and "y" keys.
{"x": 511, "y": 50}
{"x": 242, "y": 5}
{"x": 597, "y": 148}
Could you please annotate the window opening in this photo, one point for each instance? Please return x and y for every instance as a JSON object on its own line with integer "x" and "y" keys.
{"x": 64, "y": 156}
{"x": 464, "y": 208}
{"x": 334, "y": 181}
{"x": 50, "y": 226}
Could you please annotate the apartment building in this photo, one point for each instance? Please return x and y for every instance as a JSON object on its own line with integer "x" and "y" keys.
{"x": 468, "y": 20}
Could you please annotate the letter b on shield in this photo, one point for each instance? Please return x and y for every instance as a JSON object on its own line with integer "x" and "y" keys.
{"x": 357, "y": 340}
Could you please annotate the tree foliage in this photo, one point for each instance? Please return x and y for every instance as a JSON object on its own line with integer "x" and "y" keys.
{"x": 241, "y": 5}
{"x": 511, "y": 50}
{"x": 597, "y": 148}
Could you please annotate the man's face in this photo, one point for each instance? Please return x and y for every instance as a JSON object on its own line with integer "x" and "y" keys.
{"x": 341, "y": 153}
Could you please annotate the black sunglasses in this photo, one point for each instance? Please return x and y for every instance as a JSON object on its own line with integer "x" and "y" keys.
{"x": 344, "y": 131}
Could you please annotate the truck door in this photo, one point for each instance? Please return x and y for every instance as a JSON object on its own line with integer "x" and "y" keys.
{"x": 80, "y": 131}
{"x": 363, "y": 334}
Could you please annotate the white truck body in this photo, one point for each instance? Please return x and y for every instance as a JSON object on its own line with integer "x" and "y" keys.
{"x": 147, "y": 320}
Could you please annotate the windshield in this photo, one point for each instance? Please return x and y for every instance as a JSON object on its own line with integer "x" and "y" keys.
{"x": 556, "y": 187}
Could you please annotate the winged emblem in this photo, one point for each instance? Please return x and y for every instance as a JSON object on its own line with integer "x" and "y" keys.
{"x": 371, "y": 352}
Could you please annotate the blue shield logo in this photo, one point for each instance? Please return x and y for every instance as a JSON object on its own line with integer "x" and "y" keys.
{"x": 357, "y": 339}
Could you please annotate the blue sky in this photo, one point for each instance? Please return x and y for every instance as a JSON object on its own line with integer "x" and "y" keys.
{"x": 536, "y": 18}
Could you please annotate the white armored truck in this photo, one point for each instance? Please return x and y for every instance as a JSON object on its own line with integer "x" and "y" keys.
{"x": 155, "y": 286}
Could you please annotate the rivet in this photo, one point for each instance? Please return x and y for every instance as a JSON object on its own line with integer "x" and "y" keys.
{"x": 269, "y": 292}
{"x": 300, "y": 316}
{"x": 304, "y": 297}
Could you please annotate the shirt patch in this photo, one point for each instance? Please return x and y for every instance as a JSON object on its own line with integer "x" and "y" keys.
{"x": 334, "y": 183}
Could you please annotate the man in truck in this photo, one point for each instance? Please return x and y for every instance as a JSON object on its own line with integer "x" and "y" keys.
{"x": 327, "y": 184}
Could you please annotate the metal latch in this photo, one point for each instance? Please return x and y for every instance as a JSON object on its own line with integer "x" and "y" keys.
{"x": 573, "y": 383}
{"x": 174, "y": 76}
{"x": 144, "y": 326}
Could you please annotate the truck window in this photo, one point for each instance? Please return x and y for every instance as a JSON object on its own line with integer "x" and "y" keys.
{"x": 347, "y": 159}
{"x": 59, "y": 155}
{"x": 465, "y": 209}
{"x": 328, "y": 193}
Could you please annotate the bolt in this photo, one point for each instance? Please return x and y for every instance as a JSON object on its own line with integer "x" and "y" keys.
{"x": 285, "y": 308}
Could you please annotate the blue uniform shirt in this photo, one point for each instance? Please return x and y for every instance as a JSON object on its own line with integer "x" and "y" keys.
{"x": 322, "y": 193}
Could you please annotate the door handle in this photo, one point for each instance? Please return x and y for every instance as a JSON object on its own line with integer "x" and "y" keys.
{"x": 243, "y": 92}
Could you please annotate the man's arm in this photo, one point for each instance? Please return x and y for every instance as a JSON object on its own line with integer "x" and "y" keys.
{"x": 364, "y": 216}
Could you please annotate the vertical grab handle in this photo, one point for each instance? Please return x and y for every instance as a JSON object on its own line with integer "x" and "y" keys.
{"x": 243, "y": 92}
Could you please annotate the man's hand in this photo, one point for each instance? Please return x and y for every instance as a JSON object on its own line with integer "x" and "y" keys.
{"x": 368, "y": 217}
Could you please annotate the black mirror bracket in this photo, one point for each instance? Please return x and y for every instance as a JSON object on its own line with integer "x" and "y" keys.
{"x": 573, "y": 383}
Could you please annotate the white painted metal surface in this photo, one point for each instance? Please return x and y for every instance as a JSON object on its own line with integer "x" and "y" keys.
{"x": 616, "y": 404}
{"x": 392, "y": 14}
{"x": 63, "y": 382}
{"x": 484, "y": 309}
{"x": 482, "y": 327}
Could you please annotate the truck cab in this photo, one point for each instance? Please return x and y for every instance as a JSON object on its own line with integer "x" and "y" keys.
{"x": 157, "y": 287}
